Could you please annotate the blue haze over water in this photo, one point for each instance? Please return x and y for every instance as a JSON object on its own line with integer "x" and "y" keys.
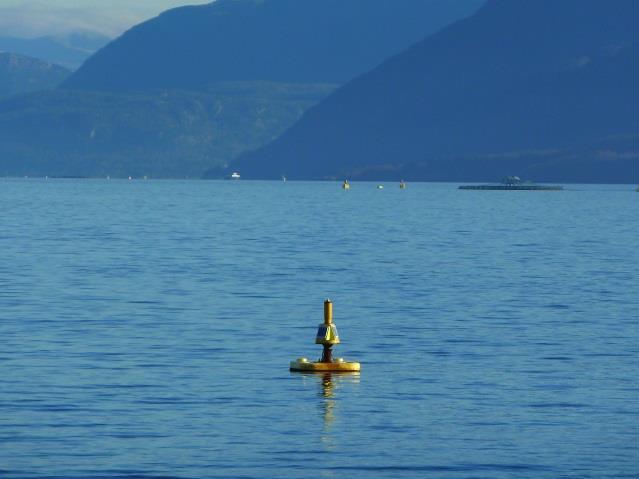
{"x": 146, "y": 330}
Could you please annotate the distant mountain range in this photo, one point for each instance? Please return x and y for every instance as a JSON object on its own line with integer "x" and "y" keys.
{"x": 159, "y": 134}
{"x": 69, "y": 51}
{"x": 20, "y": 74}
{"x": 543, "y": 89}
{"x": 197, "y": 86}
{"x": 292, "y": 41}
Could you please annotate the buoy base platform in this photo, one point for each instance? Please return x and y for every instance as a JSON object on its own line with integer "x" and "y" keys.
{"x": 337, "y": 366}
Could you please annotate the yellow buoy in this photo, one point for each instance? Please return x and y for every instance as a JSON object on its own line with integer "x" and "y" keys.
{"x": 346, "y": 185}
{"x": 402, "y": 185}
{"x": 326, "y": 336}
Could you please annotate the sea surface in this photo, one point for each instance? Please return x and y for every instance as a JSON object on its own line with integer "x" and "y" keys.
{"x": 146, "y": 329}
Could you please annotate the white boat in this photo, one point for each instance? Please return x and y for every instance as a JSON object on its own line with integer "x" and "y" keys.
{"x": 235, "y": 175}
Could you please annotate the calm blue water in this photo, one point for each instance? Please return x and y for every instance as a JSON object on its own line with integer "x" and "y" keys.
{"x": 146, "y": 330}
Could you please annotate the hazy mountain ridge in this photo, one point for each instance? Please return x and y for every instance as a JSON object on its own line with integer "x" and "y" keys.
{"x": 20, "y": 74}
{"x": 519, "y": 75}
{"x": 268, "y": 40}
{"x": 69, "y": 51}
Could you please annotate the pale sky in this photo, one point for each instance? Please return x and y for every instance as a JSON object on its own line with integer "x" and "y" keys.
{"x": 31, "y": 18}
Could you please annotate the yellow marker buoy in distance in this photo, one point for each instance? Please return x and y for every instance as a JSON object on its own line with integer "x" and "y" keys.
{"x": 346, "y": 185}
{"x": 326, "y": 336}
{"x": 402, "y": 185}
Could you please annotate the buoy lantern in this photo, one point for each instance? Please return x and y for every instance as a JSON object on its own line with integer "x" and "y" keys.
{"x": 328, "y": 337}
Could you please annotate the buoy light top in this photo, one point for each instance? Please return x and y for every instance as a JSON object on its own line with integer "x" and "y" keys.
{"x": 327, "y": 331}
{"x": 328, "y": 311}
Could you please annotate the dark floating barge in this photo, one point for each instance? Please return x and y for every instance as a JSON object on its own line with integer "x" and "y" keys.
{"x": 513, "y": 183}
{"x": 512, "y": 187}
